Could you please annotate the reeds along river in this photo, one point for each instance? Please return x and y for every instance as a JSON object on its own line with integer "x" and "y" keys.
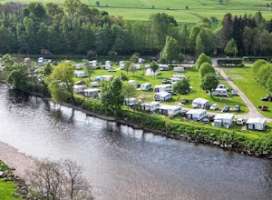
{"x": 122, "y": 163}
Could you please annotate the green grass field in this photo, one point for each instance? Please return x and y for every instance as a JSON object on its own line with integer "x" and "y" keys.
{"x": 244, "y": 79}
{"x": 197, "y": 9}
{"x": 195, "y": 82}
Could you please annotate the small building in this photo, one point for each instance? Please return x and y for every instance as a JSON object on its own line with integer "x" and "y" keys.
{"x": 163, "y": 88}
{"x": 80, "y": 74}
{"x": 145, "y": 86}
{"x": 196, "y": 114}
{"x": 79, "y": 65}
{"x": 150, "y": 106}
{"x": 122, "y": 64}
{"x": 40, "y": 60}
{"x": 130, "y": 101}
{"x": 104, "y": 78}
{"x": 178, "y": 69}
{"x": 91, "y": 92}
{"x": 177, "y": 77}
{"x": 79, "y": 88}
{"x": 93, "y": 64}
{"x": 200, "y": 103}
{"x": 136, "y": 67}
{"x": 133, "y": 83}
{"x": 162, "y": 96}
{"x": 141, "y": 60}
{"x": 258, "y": 124}
{"x": 223, "y": 120}
{"x": 164, "y": 67}
{"x": 170, "y": 110}
{"x": 222, "y": 92}
{"x": 94, "y": 84}
{"x": 149, "y": 72}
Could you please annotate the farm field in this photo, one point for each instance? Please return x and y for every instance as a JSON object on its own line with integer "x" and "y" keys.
{"x": 244, "y": 79}
{"x": 191, "y": 74}
{"x": 187, "y": 11}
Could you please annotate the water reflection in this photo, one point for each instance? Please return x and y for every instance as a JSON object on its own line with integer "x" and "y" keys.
{"x": 124, "y": 163}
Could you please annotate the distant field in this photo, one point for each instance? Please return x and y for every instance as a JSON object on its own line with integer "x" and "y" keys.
{"x": 142, "y": 9}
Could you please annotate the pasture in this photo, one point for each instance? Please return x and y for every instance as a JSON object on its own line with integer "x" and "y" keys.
{"x": 185, "y": 11}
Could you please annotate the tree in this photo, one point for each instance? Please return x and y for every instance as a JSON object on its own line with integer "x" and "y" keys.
{"x": 61, "y": 83}
{"x": 257, "y": 65}
{"x": 231, "y": 48}
{"x": 161, "y": 26}
{"x": 264, "y": 73}
{"x": 206, "y": 68}
{"x": 154, "y": 67}
{"x": 202, "y": 58}
{"x": 182, "y": 87}
{"x": 57, "y": 181}
{"x": 18, "y": 77}
{"x": 209, "y": 82}
{"x": 268, "y": 84}
{"x": 128, "y": 90}
{"x": 127, "y": 66}
{"x": 170, "y": 52}
{"x": 112, "y": 97}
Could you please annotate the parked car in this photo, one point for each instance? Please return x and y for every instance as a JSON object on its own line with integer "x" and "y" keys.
{"x": 263, "y": 108}
{"x": 236, "y": 108}
{"x": 267, "y": 98}
{"x": 226, "y": 109}
{"x": 214, "y": 107}
{"x": 205, "y": 120}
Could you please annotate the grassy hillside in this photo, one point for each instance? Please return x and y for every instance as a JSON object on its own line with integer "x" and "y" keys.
{"x": 142, "y": 9}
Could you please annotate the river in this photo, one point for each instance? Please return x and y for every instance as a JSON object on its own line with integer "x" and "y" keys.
{"x": 122, "y": 163}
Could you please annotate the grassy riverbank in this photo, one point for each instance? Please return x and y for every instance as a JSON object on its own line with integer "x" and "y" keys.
{"x": 252, "y": 143}
{"x": 8, "y": 188}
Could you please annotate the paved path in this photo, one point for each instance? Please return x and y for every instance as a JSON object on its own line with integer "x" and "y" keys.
{"x": 253, "y": 111}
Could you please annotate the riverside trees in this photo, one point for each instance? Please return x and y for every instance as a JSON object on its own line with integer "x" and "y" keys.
{"x": 75, "y": 28}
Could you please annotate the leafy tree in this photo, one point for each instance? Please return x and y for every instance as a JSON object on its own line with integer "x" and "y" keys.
{"x": 61, "y": 83}
{"x": 112, "y": 97}
{"x": 231, "y": 48}
{"x": 161, "y": 26}
{"x": 264, "y": 73}
{"x": 202, "y": 58}
{"x": 170, "y": 52}
{"x": 182, "y": 87}
{"x": 205, "y": 42}
{"x": 206, "y": 68}
{"x": 154, "y": 67}
{"x": 257, "y": 65}
{"x": 18, "y": 77}
{"x": 268, "y": 84}
{"x": 128, "y": 90}
{"x": 209, "y": 82}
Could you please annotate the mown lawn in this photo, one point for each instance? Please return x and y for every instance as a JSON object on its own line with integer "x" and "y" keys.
{"x": 195, "y": 82}
{"x": 244, "y": 79}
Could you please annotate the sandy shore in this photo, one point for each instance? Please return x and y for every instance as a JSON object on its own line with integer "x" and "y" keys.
{"x": 14, "y": 159}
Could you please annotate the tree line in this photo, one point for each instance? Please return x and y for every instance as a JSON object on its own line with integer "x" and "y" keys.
{"x": 75, "y": 28}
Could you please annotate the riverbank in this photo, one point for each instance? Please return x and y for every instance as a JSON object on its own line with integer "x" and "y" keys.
{"x": 227, "y": 139}
{"x": 13, "y": 171}
{"x": 244, "y": 142}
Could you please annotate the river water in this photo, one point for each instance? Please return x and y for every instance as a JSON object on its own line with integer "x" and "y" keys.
{"x": 122, "y": 163}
